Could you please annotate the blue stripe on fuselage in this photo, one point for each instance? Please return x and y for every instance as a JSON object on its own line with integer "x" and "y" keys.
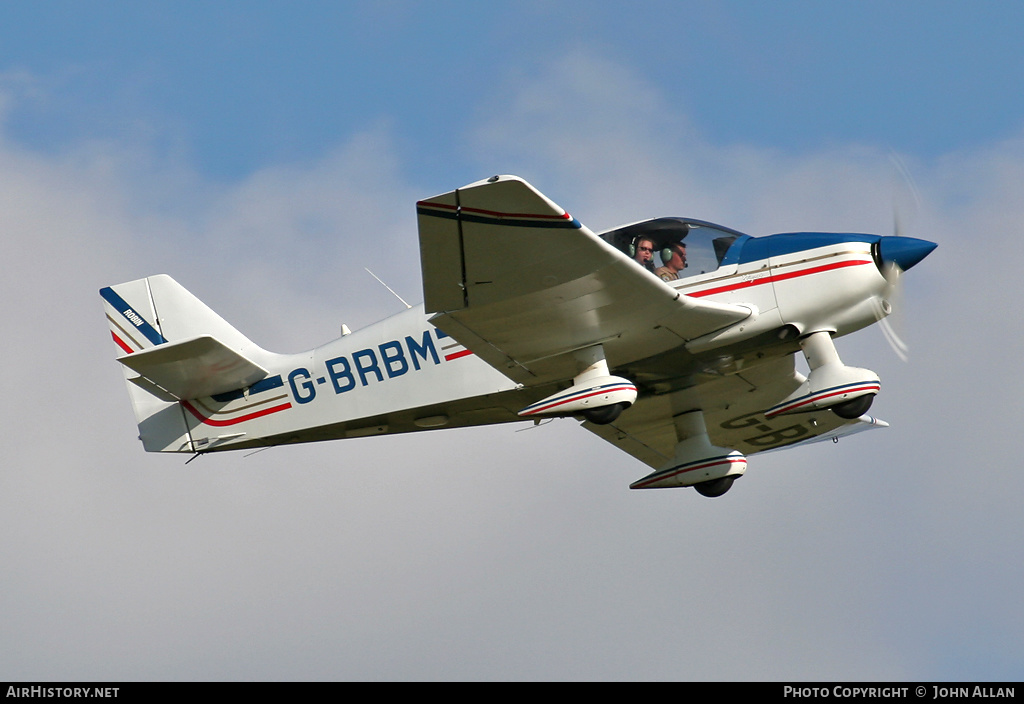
{"x": 758, "y": 248}
{"x": 271, "y": 382}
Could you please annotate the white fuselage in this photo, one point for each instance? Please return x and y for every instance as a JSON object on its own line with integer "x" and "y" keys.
{"x": 403, "y": 374}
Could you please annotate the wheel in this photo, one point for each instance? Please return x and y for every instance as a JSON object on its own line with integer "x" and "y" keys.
{"x": 605, "y": 414}
{"x": 854, "y": 408}
{"x": 715, "y": 487}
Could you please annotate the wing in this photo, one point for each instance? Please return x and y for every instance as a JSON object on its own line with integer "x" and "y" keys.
{"x": 733, "y": 408}
{"x": 514, "y": 278}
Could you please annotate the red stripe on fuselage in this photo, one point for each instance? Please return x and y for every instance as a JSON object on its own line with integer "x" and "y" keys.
{"x": 772, "y": 278}
{"x": 456, "y": 355}
{"x": 233, "y": 421}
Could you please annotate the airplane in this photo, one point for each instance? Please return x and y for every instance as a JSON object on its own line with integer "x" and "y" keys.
{"x": 528, "y": 315}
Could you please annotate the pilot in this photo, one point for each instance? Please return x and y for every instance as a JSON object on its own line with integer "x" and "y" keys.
{"x": 675, "y": 263}
{"x": 643, "y": 252}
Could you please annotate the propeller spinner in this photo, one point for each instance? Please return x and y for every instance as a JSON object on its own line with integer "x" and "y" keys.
{"x": 894, "y": 255}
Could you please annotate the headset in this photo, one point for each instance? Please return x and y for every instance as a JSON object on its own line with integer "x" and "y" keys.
{"x": 666, "y": 254}
{"x": 633, "y": 250}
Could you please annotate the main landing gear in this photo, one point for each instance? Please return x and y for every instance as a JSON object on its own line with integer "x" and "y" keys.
{"x": 846, "y": 391}
{"x": 595, "y": 394}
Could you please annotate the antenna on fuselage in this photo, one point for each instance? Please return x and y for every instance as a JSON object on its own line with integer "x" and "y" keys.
{"x": 388, "y": 288}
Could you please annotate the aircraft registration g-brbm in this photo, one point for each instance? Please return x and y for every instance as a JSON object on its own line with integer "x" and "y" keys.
{"x": 673, "y": 339}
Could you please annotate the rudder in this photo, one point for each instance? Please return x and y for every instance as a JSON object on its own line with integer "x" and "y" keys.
{"x": 199, "y": 353}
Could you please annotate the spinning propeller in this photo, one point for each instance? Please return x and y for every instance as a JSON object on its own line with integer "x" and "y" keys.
{"x": 896, "y": 254}
{"x": 892, "y": 300}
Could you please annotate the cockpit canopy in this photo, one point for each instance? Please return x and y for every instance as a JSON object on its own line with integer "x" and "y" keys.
{"x": 706, "y": 247}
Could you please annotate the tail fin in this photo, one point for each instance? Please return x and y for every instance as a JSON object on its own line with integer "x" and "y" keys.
{"x": 174, "y": 348}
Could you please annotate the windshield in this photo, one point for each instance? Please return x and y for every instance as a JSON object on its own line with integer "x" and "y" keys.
{"x": 676, "y": 248}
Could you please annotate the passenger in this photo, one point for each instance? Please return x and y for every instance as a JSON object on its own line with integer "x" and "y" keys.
{"x": 644, "y": 253}
{"x": 675, "y": 264}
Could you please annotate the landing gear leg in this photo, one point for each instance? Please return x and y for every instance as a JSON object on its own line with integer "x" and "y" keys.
{"x": 711, "y": 470}
{"x": 594, "y": 368}
{"x": 595, "y": 394}
{"x": 846, "y": 391}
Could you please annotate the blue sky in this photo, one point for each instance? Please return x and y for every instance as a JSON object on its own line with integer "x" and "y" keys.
{"x": 240, "y": 85}
{"x": 264, "y": 153}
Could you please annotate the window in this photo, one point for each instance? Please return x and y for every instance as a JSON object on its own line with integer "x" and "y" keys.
{"x": 675, "y": 248}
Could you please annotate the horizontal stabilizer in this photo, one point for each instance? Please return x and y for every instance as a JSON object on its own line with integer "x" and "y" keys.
{"x": 195, "y": 368}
